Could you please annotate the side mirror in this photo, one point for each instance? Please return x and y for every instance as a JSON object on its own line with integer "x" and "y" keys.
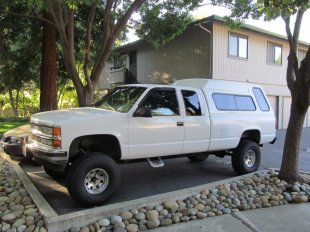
{"x": 143, "y": 112}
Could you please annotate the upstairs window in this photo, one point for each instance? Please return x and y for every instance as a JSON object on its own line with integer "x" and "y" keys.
{"x": 238, "y": 45}
{"x": 118, "y": 61}
{"x": 274, "y": 53}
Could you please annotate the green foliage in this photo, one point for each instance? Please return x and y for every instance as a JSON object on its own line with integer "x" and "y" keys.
{"x": 162, "y": 21}
{"x": 20, "y": 60}
{"x": 159, "y": 30}
{"x": 269, "y": 9}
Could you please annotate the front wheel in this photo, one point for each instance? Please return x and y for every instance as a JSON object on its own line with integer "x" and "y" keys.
{"x": 246, "y": 158}
{"x": 93, "y": 178}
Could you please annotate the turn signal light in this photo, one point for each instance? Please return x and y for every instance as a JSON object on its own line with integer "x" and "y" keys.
{"x": 57, "y": 131}
{"x": 56, "y": 143}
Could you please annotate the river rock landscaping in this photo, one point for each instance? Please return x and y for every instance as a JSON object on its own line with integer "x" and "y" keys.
{"x": 18, "y": 213}
{"x": 260, "y": 190}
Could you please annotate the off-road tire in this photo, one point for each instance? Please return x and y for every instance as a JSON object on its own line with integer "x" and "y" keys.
{"x": 83, "y": 174}
{"x": 246, "y": 158}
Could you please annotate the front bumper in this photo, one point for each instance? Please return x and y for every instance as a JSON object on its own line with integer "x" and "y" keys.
{"x": 50, "y": 158}
{"x": 15, "y": 150}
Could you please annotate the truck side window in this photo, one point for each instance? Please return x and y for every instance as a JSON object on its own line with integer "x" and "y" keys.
{"x": 224, "y": 101}
{"x": 261, "y": 100}
{"x": 245, "y": 103}
{"x": 163, "y": 102}
{"x": 233, "y": 102}
{"x": 192, "y": 104}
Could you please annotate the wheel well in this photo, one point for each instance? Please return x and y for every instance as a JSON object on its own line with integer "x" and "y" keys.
{"x": 253, "y": 135}
{"x": 107, "y": 144}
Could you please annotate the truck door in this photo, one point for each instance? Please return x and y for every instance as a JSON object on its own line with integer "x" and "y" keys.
{"x": 162, "y": 131}
{"x": 196, "y": 122}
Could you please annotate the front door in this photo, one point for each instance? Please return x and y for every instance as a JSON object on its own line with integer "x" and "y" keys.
{"x": 163, "y": 133}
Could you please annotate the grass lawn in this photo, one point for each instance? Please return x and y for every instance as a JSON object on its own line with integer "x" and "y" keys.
{"x": 5, "y": 126}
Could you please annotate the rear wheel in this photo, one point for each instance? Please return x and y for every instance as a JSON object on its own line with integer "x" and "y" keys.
{"x": 246, "y": 158}
{"x": 93, "y": 178}
{"x": 198, "y": 157}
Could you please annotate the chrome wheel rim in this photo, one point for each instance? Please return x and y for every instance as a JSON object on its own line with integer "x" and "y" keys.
{"x": 96, "y": 181}
{"x": 249, "y": 158}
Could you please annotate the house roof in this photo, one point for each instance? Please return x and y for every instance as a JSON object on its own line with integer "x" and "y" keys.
{"x": 211, "y": 19}
{"x": 249, "y": 27}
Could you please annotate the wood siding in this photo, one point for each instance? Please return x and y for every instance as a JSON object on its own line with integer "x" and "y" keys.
{"x": 255, "y": 69}
{"x": 187, "y": 56}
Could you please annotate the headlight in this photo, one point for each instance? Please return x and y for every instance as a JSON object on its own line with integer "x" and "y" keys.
{"x": 15, "y": 140}
{"x": 47, "y": 130}
{"x": 50, "y": 136}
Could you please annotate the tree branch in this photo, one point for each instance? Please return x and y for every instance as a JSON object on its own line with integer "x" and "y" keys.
{"x": 106, "y": 21}
{"x": 56, "y": 11}
{"x": 124, "y": 19}
{"x": 110, "y": 38}
{"x": 292, "y": 63}
{"x": 115, "y": 5}
{"x": 287, "y": 21}
{"x": 299, "y": 17}
{"x": 28, "y": 17}
{"x": 106, "y": 37}
{"x": 89, "y": 24}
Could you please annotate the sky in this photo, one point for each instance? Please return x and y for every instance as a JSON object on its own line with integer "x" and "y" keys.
{"x": 275, "y": 26}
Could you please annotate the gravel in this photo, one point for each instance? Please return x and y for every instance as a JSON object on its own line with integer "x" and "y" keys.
{"x": 19, "y": 213}
{"x": 17, "y": 210}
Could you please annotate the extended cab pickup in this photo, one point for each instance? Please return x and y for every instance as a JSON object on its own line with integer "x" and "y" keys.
{"x": 192, "y": 117}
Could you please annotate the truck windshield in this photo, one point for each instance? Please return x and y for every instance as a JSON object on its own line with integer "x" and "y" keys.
{"x": 120, "y": 99}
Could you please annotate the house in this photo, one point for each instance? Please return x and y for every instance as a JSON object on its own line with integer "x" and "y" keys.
{"x": 208, "y": 49}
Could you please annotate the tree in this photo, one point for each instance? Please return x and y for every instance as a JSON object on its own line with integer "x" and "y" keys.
{"x": 111, "y": 16}
{"x": 48, "y": 72}
{"x": 92, "y": 27}
{"x": 19, "y": 56}
{"x": 298, "y": 77}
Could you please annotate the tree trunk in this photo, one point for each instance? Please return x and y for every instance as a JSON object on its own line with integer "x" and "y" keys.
{"x": 1, "y": 108}
{"x": 289, "y": 165}
{"x": 48, "y": 96}
{"x": 13, "y": 103}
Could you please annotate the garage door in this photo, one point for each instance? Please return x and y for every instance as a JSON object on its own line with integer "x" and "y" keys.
{"x": 273, "y": 102}
{"x": 286, "y": 106}
{"x": 308, "y": 118}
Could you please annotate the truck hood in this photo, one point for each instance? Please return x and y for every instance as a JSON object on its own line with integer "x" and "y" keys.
{"x": 57, "y": 117}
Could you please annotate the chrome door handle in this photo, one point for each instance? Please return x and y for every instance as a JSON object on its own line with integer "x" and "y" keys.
{"x": 180, "y": 123}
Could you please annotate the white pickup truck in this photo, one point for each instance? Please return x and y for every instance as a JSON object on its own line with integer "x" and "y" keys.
{"x": 192, "y": 117}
